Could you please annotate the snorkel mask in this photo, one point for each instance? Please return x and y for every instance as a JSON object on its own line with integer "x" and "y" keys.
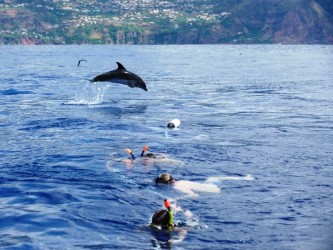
{"x": 164, "y": 178}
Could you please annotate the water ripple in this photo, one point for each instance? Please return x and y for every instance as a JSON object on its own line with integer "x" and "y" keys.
{"x": 63, "y": 181}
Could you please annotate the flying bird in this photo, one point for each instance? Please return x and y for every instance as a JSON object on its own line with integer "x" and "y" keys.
{"x": 82, "y": 60}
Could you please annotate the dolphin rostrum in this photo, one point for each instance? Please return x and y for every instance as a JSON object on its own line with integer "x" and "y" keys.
{"x": 122, "y": 76}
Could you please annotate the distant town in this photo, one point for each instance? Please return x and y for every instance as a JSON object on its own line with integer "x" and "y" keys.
{"x": 157, "y": 22}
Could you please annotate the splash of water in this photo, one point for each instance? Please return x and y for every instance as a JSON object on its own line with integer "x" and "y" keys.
{"x": 88, "y": 93}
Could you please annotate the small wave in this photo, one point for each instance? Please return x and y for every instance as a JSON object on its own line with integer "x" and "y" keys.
{"x": 88, "y": 93}
{"x": 55, "y": 123}
{"x": 52, "y": 198}
{"x": 8, "y": 240}
{"x": 15, "y": 92}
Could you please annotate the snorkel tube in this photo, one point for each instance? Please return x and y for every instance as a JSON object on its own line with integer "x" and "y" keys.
{"x": 149, "y": 155}
{"x": 127, "y": 150}
{"x": 145, "y": 148}
{"x": 168, "y": 206}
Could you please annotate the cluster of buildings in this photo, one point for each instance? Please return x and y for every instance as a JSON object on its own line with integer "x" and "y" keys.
{"x": 87, "y": 13}
{"x": 144, "y": 12}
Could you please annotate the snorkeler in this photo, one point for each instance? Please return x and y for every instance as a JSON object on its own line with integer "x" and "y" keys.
{"x": 164, "y": 229}
{"x": 163, "y": 218}
{"x": 190, "y": 187}
{"x": 150, "y": 158}
{"x": 187, "y": 187}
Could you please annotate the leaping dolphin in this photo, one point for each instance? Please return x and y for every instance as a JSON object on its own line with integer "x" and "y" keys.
{"x": 122, "y": 76}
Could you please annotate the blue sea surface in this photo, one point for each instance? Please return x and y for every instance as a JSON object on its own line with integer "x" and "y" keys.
{"x": 264, "y": 111}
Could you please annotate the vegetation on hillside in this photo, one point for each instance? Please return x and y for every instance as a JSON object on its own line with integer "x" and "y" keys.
{"x": 165, "y": 22}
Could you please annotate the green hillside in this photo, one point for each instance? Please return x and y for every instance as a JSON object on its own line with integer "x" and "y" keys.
{"x": 165, "y": 22}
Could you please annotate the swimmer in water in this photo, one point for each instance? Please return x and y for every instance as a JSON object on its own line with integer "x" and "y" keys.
{"x": 187, "y": 187}
{"x": 150, "y": 158}
{"x": 129, "y": 161}
{"x": 163, "y": 218}
{"x": 158, "y": 158}
{"x": 190, "y": 188}
{"x": 162, "y": 223}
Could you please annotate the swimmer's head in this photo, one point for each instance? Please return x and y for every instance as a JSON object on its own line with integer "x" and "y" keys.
{"x": 164, "y": 178}
{"x": 161, "y": 218}
{"x": 150, "y": 155}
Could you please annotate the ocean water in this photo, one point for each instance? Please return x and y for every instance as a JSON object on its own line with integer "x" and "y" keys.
{"x": 255, "y": 119}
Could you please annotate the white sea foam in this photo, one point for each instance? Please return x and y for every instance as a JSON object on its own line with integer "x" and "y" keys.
{"x": 88, "y": 93}
{"x": 191, "y": 188}
{"x": 230, "y": 178}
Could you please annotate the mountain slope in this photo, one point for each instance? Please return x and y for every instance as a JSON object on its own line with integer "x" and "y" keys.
{"x": 165, "y": 22}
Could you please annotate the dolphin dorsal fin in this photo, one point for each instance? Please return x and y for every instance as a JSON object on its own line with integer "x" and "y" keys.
{"x": 120, "y": 66}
